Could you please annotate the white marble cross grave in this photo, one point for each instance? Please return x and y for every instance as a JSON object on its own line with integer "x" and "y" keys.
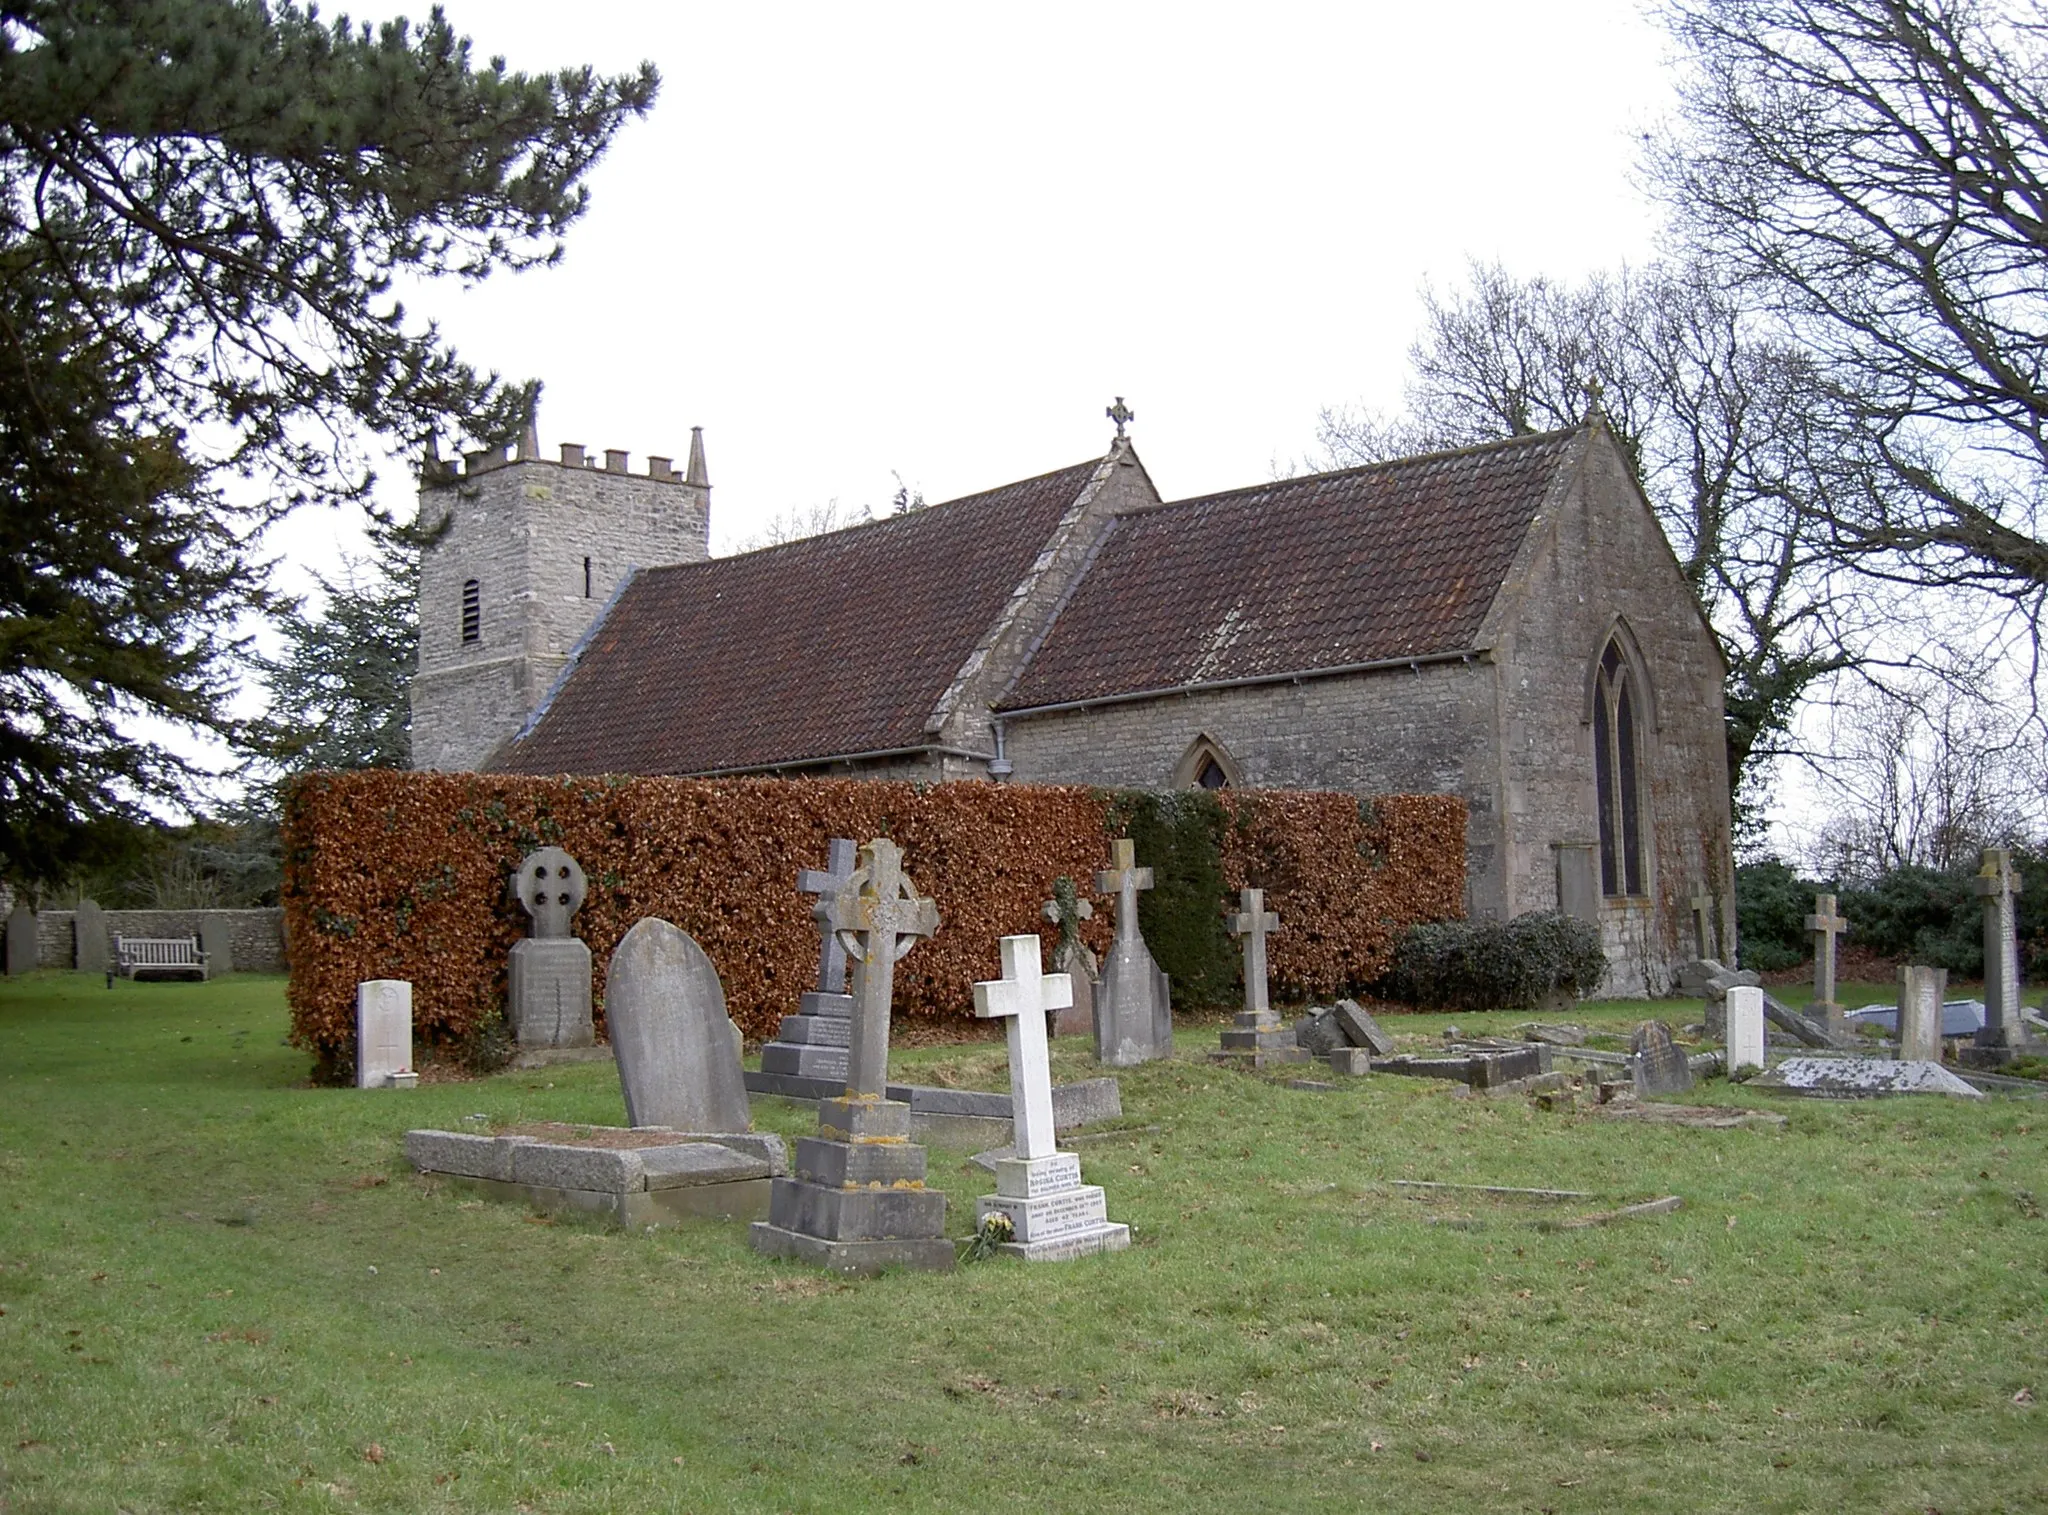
{"x": 824, "y": 883}
{"x": 1251, "y": 924}
{"x": 878, "y": 917}
{"x": 1826, "y": 925}
{"x": 1124, "y": 878}
{"x": 1022, "y": 998}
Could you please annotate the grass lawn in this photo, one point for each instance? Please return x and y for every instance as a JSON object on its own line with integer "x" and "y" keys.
{"x": 224, "y": 1290}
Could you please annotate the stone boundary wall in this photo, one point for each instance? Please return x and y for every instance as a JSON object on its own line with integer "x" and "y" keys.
{"x": 256, "y": 936}
{"x": 403, "y": 875}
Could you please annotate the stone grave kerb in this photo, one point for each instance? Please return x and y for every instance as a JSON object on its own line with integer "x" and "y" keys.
{"x": 550, "y": 888}
{"x": 1021, "y": 999}
{"x": 1826, "y": 923}
{"x": 878, "y": 917}
{"x": 841, "y": 854}
{"x": 1124, "y": 878}
{"x": 1251, "y": 924}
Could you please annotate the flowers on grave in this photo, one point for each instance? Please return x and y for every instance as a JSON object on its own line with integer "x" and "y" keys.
{"x": 989, "y": 1237}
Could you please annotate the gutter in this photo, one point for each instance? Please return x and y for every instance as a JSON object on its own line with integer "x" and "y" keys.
{"x": 1378, "y": 665}
{"x": 837, "y": 757}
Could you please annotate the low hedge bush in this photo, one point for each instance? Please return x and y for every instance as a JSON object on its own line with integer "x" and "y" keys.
{"x": 1494, "y": 965}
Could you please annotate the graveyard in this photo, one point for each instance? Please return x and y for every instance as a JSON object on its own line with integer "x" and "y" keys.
{"x": 224, "y": 1288}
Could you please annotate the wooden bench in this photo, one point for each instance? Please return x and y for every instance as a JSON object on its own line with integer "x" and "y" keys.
{"x": 156, "y": 956}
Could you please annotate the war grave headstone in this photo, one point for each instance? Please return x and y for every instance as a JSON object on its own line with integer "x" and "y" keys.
{"x": 91, "y": 948}
{"x": 1053, "y": 1215}
{"x": 1827, "y": 924}
{"x": 678, "y": 1058}
{"x": 547, "y": 986}
{"x": 384, "y": 1034}
{"x": 2005, "y": 1031}
{"x": 1920, "y": 1017}
{"x": 857, "y": 1202}
{"x": 1862, "y": 1078}
{"x": 689, "y": 1151}
{"x": 23, "y": 950}
{"x": 811, "y": 1045}
{"x": 1657, "y": 1064}
{"x": 1745, "y": 1028}
{"x": 1133, "y": 1003}
{"x": 1071, "y": 956}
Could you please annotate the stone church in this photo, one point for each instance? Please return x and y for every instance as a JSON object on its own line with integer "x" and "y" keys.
{"x": 1506, "y": 623}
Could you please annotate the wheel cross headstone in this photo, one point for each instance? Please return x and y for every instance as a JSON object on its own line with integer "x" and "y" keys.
{"x": 825, "y": 882}
{"x": 1825, "y": 924}
{"x": 878, "y": 917}
{"x": 1021, "y": 998}
{"x": 1251, "y": 923}
{"x": 1703, "y": 924}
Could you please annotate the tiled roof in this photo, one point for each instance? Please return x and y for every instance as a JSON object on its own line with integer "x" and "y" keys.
{"x": 1393, "y": 560}
{"x": 835, "y": 644}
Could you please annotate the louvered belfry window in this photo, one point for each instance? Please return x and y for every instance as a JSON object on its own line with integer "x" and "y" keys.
{"x": 472, "y": 611}
{"x": 1617, "y": 776}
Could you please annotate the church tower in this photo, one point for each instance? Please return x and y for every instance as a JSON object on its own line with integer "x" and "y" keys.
{"x": 533, "y": 551}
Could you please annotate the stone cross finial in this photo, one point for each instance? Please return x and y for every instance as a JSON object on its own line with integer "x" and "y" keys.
{"x": 1122, "y": 414}
{"x": 1022, "y": 997}
{"x": 1996, "y": 883}
{"x": 1826, "y": 925}
{"x": 549, "y": 887}
{"x": 1251, "y": 924}
{"x": 1124, "y": 878}
{"x": 1703, "y": 924}
{"x": 824, "y": 883}
{"x": 878, "y": 917}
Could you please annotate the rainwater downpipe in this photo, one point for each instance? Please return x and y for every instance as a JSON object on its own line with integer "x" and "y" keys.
{"x": 999, "y": 766}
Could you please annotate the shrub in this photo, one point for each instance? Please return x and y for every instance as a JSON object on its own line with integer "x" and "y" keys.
{"x": 1771, "y": 906}
{"x": 1922, "y": 915}
{"x": 1489, "y": 965}
{"x": 1178, "y": 834}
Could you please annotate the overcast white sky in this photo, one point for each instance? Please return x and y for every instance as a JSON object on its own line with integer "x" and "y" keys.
{"x": 853, "y": 241}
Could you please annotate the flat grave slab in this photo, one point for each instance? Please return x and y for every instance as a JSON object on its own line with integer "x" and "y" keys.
{"x": 1482, "y": 1068}
{"x": 633, "y": 1177}
{"x": 1861, "y": 1078}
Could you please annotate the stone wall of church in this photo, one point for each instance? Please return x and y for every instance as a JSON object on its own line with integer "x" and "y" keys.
{"x": 1394, "y": 731}
{"x": 524, "y": 530}
{"x": 1600, "y": 555}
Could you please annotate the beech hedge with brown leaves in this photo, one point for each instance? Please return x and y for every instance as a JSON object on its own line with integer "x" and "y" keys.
{"x": 404, "y": 875}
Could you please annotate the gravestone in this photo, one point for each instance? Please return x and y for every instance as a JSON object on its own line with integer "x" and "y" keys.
{"x": 1996, "y": 884}
{"x": 1133, "y": 1005}
{"x": 1862, "y": 1077}
{"x": 1703, "y": 923}
{"x": 679, "y": 1061}
{"x": 547, "y": 987}
{"x": 1826, "y": 923}
{"x": 1578, "y": 881}
{"x": 1657, "y": 1064}
{"x": 92, "y": 948}
{"x": 813, "y": 1042}
{"x": 1251, "y": 924}
{"x": 1362, "y": 1029}
{"x": 1256, "y": 1029}
{"x": 1053, "y": 1215}
{"x": 383, "y": 1033}
{"x": 1071, "y": 956}
{"x": 857, "y": 1202}
{"x": 1920, "y": 992}
{"x": 23, "y": 949}
{"x": 1745, "y": 1027}
{"x": 217, "y": 941}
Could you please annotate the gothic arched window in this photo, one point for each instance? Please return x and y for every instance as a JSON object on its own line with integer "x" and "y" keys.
{"x": 1206, "y": 765}
{"x": 1617, "y": 775}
